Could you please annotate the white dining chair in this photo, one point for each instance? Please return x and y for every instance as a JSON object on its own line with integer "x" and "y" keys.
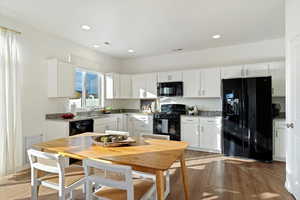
{"x": 166, "y": 173}
{"x": 56, "y": 177}
{"x": 117, "y": 132}
{"x": 117, "y": 183}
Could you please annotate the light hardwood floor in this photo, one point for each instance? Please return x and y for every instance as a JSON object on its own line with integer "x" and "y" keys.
{"x": 211, "y": 177}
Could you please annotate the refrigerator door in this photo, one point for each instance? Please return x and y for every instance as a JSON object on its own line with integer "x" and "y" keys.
{"x": 258, "y": 106}
{"x": 233, "y": 118}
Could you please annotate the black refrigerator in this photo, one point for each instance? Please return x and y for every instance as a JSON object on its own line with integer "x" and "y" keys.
{"x": 247, "y": 118}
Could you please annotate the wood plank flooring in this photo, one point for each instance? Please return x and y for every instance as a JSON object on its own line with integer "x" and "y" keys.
{"x": 211, "y": 177}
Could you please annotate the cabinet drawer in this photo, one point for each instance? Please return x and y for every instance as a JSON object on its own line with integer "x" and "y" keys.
{"x": 210, "y": 120}
{"x": 189, "y": 120}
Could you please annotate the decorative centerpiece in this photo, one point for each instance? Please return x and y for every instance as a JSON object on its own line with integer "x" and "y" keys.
{"x": 112, "y": 140}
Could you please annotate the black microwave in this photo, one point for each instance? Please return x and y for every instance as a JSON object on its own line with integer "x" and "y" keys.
{"x": 170, "y": 89}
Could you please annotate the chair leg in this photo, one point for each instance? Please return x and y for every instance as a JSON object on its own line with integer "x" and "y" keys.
{"x": 167, "y": 191}
{"x": 61, "y": 195}
{"x": 34, "y": 185}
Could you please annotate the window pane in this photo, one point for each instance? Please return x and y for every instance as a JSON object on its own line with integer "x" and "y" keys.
{"x": 79, "y": 75}
{"x": 92, "y": 89}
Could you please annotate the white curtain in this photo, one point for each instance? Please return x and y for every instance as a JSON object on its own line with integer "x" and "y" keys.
{"x": 10, "y": 111}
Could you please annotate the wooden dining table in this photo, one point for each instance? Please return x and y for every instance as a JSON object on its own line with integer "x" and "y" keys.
{"x": 147, "y": 155}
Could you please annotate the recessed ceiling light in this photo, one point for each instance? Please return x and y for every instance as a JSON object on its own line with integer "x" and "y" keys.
{"x": 216, "y": 36}
{"x": 177, "y": 50}
{"x": 107, "y": 43}
{"x": 96, "y": 46}
{"x": 85, "y": 27}
{"x": 131, "y": 51}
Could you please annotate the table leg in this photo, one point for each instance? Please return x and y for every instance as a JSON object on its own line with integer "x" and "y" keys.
{"x": 184, "y": 177}
{"x": 160, "y": 185}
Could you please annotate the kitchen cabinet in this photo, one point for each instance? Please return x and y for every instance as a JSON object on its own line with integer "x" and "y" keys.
{"x": 172, "y": 76}
{"x": 107, "y": 123}
{"x": 210, "y": 134}
{"x": 256, "y": 70}
{"x": 125, "y": 86}
{"x": 232, "y": 72}
{"x": 140, "y": 123}
{"x": 112, "y": 85}
{"x": 191, "y": 83}
{"x": 210, "y": 82}
{"x": 277, "y": 70}
{"x": 144, "y": 86}
{"x": 151, "y": 85}
{"x": 190, "y": 132}
{"x": 202, "y": 133}
{"x": 279, "y": 140}
{"x": 55, "y": 129}
{"x": 202, "y": 83}
{"x": 61, "y": 79}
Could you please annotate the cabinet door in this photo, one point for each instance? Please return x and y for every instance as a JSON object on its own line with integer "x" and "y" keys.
{"x": 257, "y": 70}
{"x": 112, "y": 84}
{"x": 277, "y": 70}
{"x": 151, "y": 85}
{"x": 138, "y": 86}
{"x": 100, "y": 128}
{"x": 210, "y": 135}
{"x": 191, "y": 83}
{"x": 211, "y": 82}
{"x": 125, "y": 86}
{"x": 279, "y": 143}
{"x": 66, "y": 80}
{"x": 174, "y": 76}
{"x": 232, "y": 72}
{"x": 190, "y": 134}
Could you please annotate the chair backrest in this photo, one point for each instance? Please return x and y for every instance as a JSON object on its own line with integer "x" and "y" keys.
{"x": 104, "y": 180}
{"x": 117, "y": 132}
{"x": 156, "y": 136}
{"x": 46, "y": 164}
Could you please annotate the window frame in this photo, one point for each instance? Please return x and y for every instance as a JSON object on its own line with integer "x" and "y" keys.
{"x": 84, "y": 82}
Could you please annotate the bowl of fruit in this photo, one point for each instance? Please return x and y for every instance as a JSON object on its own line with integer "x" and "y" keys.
{"x": 112, "y": 140}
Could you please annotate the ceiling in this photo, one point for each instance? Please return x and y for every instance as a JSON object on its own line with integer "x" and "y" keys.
{"x": 152, "y": 27}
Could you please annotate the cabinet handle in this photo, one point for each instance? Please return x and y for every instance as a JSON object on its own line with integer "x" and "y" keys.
{"x": 290, "y": 125}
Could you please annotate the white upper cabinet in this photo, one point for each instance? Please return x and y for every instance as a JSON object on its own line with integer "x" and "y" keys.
{"x": 144, "y": 85}
{"x": 232, "y": 72}
{"x": 61, "y": 79}
{"x": 210, "y": 82}
{"x": 139, "y": 86}
{"x": 112, "y": 84}
{"x": 277, "y": 70}
{"x": 202, "y": 83}
{"x": 151, "y": 85}
{"x": 125, "y": 86}
{"x": 173, "y": 76}
{"x": 191, "y": 83}
{"x": 256, "y": 70}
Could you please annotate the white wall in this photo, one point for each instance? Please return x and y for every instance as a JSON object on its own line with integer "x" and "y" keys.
{"x": 37, "y": 46}
{"x": 237, "y": 54}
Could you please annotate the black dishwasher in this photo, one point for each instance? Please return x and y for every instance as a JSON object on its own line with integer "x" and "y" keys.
{"x": 78, "y": 127}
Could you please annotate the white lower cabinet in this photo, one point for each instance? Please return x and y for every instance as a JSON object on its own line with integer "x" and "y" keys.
{"x": 140, "y": 124}
{"x": 202, "y": 133}
{"x": 279, "y": 140}
{"x": 107, "y": 123}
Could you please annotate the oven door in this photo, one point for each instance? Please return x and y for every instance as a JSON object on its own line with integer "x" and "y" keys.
{"x": 167, "y": 126}
{"x": 170, "y": 89}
